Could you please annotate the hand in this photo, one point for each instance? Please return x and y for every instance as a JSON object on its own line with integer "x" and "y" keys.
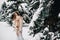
{"x": 13, "y": 27}
{"x": 20, "y": 31}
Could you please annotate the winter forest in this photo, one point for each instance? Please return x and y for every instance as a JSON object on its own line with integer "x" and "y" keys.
{"x": 41, "y": 17}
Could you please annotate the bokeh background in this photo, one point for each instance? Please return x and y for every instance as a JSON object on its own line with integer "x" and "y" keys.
{"x": 41, "y": 19}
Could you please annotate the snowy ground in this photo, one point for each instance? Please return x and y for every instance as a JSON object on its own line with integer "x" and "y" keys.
{"x": 7, "y": 33}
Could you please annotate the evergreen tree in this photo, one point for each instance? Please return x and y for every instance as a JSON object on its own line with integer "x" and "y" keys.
{"x": 38, "y": 24}
{"x": 13, "y": 5}
{"x": 38, "y": 13}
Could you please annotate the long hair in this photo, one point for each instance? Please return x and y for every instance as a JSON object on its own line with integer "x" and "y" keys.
{"x": 14, "y": 16}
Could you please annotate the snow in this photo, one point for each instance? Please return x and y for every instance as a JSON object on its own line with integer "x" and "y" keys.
{"x": 1, "y": 2}
{"x": 7, "y": 33}
{"x": 36, "y": 15}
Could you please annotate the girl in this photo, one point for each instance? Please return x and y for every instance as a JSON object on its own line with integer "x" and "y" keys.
{"x": 17, "y": 20}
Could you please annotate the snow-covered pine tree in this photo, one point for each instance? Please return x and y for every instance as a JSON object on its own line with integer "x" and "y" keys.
{"x": 10, "y": 6}
{"x": 28, "y": 8}
{"x": 37, "y": 22}
{"x": 7, "y": 8}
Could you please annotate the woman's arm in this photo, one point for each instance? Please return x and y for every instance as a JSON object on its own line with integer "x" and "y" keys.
{"x": 21, "y": 23}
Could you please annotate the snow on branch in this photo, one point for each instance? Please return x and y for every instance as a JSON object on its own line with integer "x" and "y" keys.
{"x": 36, "y": 15}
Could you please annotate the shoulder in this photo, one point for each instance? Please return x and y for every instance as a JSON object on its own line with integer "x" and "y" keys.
{"x": 20, "y": 17}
